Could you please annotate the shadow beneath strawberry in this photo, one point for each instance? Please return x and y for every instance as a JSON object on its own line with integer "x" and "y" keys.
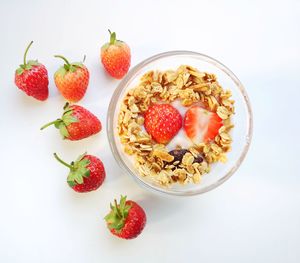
{"x": 25, "y": 100}
{"x": 100, "y": 73}
{"x": 54, "y": 93}
{"x": 159, "y": 208}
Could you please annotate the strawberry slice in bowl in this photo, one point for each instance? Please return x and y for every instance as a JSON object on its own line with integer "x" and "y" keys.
{"x": 201, "y": 125}
{"x": 162, "y": 122}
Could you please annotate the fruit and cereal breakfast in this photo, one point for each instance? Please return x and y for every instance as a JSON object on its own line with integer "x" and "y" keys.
{"x": 175, "y": 124}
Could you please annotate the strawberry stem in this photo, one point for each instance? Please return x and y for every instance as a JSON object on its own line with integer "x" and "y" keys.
{"x": 64, "y": 59}
{"x": 66, "y": 105}
{"x": 113, "y": 37}
{"x": 117, "y": 209}
{"x": 25, "y": 54}
{"x": 50, "y": 123}
{"x": 62, "y": 162}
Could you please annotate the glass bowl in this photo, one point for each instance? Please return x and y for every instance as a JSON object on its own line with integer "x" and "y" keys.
{"x": 242, "y": 119}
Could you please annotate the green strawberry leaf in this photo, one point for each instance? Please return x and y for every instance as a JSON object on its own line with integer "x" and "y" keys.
{"x": 58, "y": 123}
{"x": 73, "y": 69}
{"x": 123, "y": 205}
{"x": 66, "y": 67}
{"x": 69, "y": 68}
{"x": 114, "y": 222}
{"x": 79, "y": 171}
{"x": 63, "y": 130}
{"x": 19, "y": 71}
{"x": 68, "y": 112}
{"x": 29, "y": 64}
{"x": 76, "y": 177}
{"x": 117, "y": 225}
{"x": 78, "y": 65}
{"x": 61, "y": 71}
{"x": 32, "y": 63}
{"x": 71, "y": 183}
{"x": 117, "y": 216}
{"x": 82, "y": 163}
{"x": 83, "y": 172}
{"x": 68, "y": 117}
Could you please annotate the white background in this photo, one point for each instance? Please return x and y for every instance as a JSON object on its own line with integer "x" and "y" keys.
{"x": 253, "y": 217}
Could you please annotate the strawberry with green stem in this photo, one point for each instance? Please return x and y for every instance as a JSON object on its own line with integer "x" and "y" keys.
{"x": 126, "y": 219}
{"x": 32, "y": 78}
{"x": 72, "y": 79}
{"x": 86, "y": 174}
{"x": 76, "y": 123}
{"x": 115, "y": 57}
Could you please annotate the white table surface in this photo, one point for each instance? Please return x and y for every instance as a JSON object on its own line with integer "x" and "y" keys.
{"x": 253, "y": 217}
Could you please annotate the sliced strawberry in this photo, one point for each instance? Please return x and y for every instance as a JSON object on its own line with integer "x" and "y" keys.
{"x": 201, "y": 125}
{"x": 162, "y": 122}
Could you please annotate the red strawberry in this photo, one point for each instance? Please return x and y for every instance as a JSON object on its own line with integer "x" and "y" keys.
{"x": 201, "y": 125}
{"x": 127, "y": 219}
{"x": 72, "y": 79}
{"x": 32, "y": 78}
{"x": 87, "y": 173}
{"x": 162, "y": 122}
{"x": 76, "y": 123}
{"x": 115, "y": 57}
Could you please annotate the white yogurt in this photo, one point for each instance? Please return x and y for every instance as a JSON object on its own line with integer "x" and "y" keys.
{"x": 180, "y": 139}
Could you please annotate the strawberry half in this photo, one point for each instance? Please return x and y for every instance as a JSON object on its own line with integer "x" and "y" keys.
{"x": 162, "y": 122}
{"x": 201, "y": 125}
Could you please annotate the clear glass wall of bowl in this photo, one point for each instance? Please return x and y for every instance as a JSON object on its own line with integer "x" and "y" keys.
{"x": 242, "y": 119}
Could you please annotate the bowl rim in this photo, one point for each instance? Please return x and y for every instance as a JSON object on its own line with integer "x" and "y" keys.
{"x": 110, "y": 125}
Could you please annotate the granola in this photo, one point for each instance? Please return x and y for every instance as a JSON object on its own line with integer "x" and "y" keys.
{"x": 189, "y": 86}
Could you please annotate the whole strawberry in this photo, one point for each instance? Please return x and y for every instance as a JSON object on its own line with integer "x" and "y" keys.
{"x": 127, "y": 219}
{"x": 72, "y": 80}
{"x": 32, "y": 78}
{"x": 86, "y": 174}
{"x": 162, "y": 122}
{"x": 116, "y": 57}
{"x": 76, "y": 123}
